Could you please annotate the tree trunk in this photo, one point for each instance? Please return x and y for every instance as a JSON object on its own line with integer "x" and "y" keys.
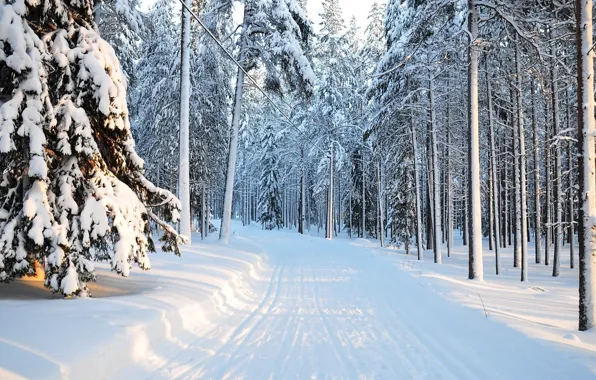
{"x": 436, "y": 186}
{"x": 417, "y": 185}
{"x": 522, "y": 163}
{"x": 476, "y": 270}
{"x": 330, "y": 197}
{"x": 493, "y": 164}
{"x": 558, "y": 230}
{"x": 184, "y": 168}
{"x": 363, "y": 197}
{"x": 380, "y": 202}
{"x": 587, "y": 166}
{"x": 537, "y": 210}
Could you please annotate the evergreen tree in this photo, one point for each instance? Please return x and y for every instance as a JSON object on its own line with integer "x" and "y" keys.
{"x": 270, "y": 200}
{"x": 72, "y": 190}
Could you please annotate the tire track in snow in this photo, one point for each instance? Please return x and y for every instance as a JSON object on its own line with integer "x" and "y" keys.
{"x": 175, "y": 368}
{"x": 243, "y": 332}
{"x": 335, "y": 343}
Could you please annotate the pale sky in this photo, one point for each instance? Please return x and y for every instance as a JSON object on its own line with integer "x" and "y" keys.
{"x": 358, "y": 8}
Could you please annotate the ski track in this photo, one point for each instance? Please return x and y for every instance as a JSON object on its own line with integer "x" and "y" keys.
{"x": 331, "y": 310}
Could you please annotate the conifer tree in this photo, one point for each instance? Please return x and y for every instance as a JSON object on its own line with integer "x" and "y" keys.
{"x": 73, "y": 190}
{"x": 270, "y": 201}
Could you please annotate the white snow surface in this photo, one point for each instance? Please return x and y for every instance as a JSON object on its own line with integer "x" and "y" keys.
{"x": 275, "y": 304}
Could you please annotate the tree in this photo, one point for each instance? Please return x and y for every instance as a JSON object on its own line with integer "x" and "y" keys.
{"x": 587, "y": 164}
{"x": 270, "y": 201}
{"x": 271, "y": 37}
{"x": 73, "y": 190}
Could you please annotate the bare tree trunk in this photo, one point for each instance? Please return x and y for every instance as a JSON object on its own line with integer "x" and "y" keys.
{"x": 417, "y": 185}
{"x": 203, "y": 213}
{"x": 558, "y": 177}
{"x": 226, "y": 220}
{"x": 587, "y": 165}
{"x": 436, "y": 189}
{"x": 522, "y": 163}
{"x": 493, "y": 164}
{"x": 476, "y": 269}
{"x": 184, "y": 164}
{"x": 363, "y": 196}
{"x": 537, "y": 219}
{"x": 548, "y": 178}
{"x": 380, "y": 202}
{"x": 448, "y": 185}
{"x": 330, "y": 197}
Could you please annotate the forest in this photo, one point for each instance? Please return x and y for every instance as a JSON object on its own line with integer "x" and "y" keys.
{"x": 439, "y": 118}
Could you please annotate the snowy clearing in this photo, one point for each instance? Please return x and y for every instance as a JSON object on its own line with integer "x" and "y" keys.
{"x": 276, "y": 304}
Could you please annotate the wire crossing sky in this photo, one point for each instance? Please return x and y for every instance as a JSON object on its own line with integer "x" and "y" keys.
{"x": 358, "y": 8}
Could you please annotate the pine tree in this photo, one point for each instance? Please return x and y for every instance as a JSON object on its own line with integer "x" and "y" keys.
{"x": 270, "y": 201}
{"x": 73, "y": 190}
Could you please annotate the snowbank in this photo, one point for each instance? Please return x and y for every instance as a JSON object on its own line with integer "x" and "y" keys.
{"x": 545, "y": 307}
{"x": 132, "y": 325}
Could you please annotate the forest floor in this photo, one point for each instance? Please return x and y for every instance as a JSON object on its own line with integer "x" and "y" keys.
{"x": 276, "y": 304}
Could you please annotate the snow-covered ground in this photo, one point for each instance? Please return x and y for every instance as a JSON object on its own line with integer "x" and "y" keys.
{"x": 275, "y": 304}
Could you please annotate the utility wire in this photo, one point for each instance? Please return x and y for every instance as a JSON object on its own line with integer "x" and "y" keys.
{"x": 231, "y": 56}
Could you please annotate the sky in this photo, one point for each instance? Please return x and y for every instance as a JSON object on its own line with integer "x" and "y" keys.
{"x": 358, "y": 8}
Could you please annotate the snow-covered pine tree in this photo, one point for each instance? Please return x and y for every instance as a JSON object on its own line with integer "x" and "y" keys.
{"x": 72, "y": 189}
{"x": 120, "y": 24}
{"x": 155, "y": 99}
{"x": 271, "y": 37}
{"x": 270, "y": 199}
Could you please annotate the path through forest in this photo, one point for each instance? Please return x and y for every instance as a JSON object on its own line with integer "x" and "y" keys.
{"x": 332, "y": 309}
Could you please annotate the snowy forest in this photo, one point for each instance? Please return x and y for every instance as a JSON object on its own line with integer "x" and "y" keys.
{"x": 439, "y": 121}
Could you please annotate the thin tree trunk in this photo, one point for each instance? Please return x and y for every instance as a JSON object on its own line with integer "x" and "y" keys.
{"x": 537, "y": 210}
{"x": 436, "y": 186}
{"x": 558, "y": 177}
{"x": 493, "y": 164}
{"x": 226, "y": 220}
{"x": 363, "y": 197}
{"x": 330, "y": 197}
{"x": 417, "y": 185}
{"x": 587, "y": 165}
{"x": 448, "y": 185}
{"x": 522, "y": 163}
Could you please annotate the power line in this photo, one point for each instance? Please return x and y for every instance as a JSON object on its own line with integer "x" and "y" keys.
{"x": 231, "y": 56}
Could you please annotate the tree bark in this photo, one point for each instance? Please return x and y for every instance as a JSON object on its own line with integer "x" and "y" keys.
{"x": 587, "y": 165}
{"x": 476, "y": 270}
{"x": 184, "y": 164}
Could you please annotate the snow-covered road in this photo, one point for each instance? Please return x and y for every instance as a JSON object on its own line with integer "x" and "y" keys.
{"x": 331, "y": 309}
{"x": 277, "y": 305}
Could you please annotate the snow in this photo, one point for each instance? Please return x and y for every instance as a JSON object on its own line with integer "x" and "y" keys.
{"x": 277, "y": 304}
